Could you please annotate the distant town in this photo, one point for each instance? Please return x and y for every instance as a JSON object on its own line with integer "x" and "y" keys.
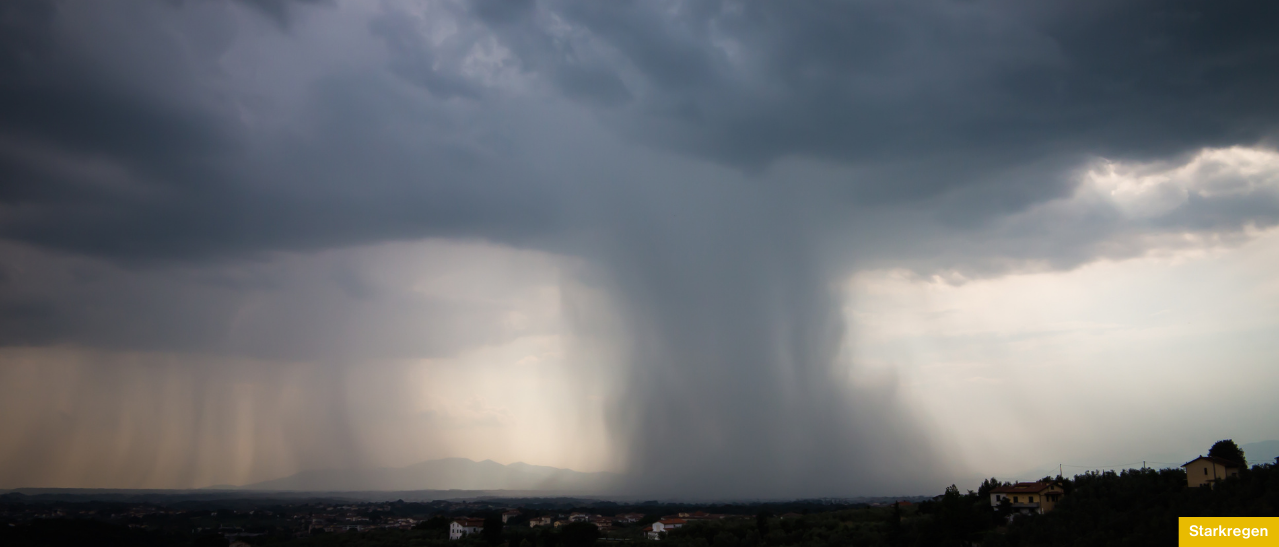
{"x": 1080, "y": 510}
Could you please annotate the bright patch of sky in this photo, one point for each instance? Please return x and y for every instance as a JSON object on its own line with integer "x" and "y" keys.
{"x": 1114, "y": 362}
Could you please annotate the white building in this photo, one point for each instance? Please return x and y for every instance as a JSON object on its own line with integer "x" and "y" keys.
{"x": 463, "y": 526}
{"x": 665, "y": 525}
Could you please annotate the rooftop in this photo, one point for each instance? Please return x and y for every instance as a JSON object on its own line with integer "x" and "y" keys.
{"x": 1221, "y": 461}
{"x": 1022, "y": 488}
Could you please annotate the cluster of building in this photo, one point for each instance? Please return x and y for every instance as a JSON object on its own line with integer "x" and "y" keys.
{"x": 464, "y": 526}
{"x": 31, "y": 513}
{"x": 671, "y": 522}
{"x": 27, "y": 513}
{"x": 340, "y": 519}
{"x": 900, "y": 503}
{"x": 228, "y": 532}
{"x": 461, "y": 527}
{"x": 468, "y": 525}
{"x": 358, "y": 524}
{"x": 600, "y": 521}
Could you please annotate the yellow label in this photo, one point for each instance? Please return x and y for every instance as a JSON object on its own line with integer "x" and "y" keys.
{"x": 1228, "y": 531}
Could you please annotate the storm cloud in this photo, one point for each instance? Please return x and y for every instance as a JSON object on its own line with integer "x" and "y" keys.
{"x": 716, "y": 169}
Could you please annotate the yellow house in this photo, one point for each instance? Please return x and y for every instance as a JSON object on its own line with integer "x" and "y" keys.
{"x": 1208, "y": 470}
{"x": 1028, "y": 497}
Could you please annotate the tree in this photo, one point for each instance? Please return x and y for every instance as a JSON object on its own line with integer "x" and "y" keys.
{"x": 436, "y": 522}
{"x": 1228, "y": 450}
{"x": 1004, "y": 510}
{"x": 725, "y": 539}
{"x": 492, "y": 532}
{"x": 955, "y": 519}
{"x": 761, "y": 522}
{"x": 895, "y": 525}
{"x": 988, "y": 485}
{"x": 579, "y": 534}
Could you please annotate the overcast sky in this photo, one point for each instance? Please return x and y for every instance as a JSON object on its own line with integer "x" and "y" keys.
{"x": 730, "y": 248}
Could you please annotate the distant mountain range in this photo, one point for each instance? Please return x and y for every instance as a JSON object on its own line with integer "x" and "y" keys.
{"x": 488, "y": 475}
{"x": 445, "y": 474}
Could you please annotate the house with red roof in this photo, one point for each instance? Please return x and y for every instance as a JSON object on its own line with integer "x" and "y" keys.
{"x": 665, "y": 525}
{"x": 1028, "y": 497}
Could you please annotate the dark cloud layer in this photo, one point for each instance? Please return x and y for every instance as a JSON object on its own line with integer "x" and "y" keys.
{"x": 963, "y": 88}
{"x": 921, "y": 98}
{"x": 721, "y": 163}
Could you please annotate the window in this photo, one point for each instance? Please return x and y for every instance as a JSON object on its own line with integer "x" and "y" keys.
{"x": 1014, "y": 499}
{"x": 1205, "y": 470}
